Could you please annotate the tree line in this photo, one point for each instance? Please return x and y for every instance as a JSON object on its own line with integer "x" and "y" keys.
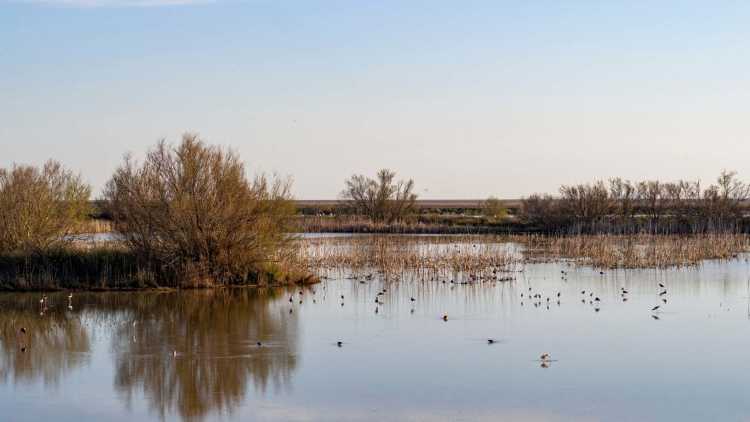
{"x": 646, "y": 206}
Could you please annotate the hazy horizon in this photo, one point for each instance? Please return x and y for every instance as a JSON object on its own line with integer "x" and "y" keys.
{"x": 470, "y": 100}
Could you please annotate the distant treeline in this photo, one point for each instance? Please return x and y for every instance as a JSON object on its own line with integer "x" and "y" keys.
{"x": 651, "y": 206}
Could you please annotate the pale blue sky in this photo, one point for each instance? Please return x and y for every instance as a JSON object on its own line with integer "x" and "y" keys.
{"x": 470, "y": 98}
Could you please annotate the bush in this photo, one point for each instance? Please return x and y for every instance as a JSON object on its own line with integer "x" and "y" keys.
{"x": 190, "y": 214}
{"x": 39, "y": 207}
{"x": 493, "y": 209}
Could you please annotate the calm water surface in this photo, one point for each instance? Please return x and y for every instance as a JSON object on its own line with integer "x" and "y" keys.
{"x": 194, "y": 356}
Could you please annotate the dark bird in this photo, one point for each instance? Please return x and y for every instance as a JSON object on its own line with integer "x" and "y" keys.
{"x": 258, "y": 343}
{"x": 413, "y": 300}
{"x": 654, "y": 317}
{"x": 339, "y": 343}
{"x": 490, "y": 341}
{"x": 596, "y": 309}
{"x": 445, "y": 317}
{"x": 663, "y": 293}
{"x": 23, "y": 330}
{"x": 661, "y": 285}
{"x": 596, "y": 299}
{"x": 583, "y": 292}
{"x": 291, "y": 299}
{"x": 664, "y": 300}
{"x": 655, "y": 308}
{"x": 342, "y": 297}
{"x": 601, "y": 272}
{"x": 544, "y": 356}
{"x": 558, "y": 294}
{"x": 624, "y": 291}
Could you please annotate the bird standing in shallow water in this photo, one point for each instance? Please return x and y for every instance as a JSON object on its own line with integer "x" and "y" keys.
{"x": 544, "y": 357}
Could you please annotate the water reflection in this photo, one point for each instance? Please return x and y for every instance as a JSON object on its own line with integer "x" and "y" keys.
{"x": 38, "y": 343}
{"x": 189, "y": 353}
{"x": 195, "y": 353}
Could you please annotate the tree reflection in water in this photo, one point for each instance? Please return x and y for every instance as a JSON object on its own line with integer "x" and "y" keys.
{"x": 54, "y": 343}
{"x": 195, "y": 352}
{"x": 189, "y": 353}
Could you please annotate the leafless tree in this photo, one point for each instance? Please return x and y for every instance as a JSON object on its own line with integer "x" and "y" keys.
{"x": 190, "y": 212}
{"x": 39, "y": 207}
{"x": 383, "y": 199}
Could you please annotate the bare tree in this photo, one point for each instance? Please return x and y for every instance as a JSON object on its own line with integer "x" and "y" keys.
{"x": 191, "y": 213}
{"x": 623, "y": 196}
{"x": 587, "y": 203}
{"x": 39, "y": 207}
{"x": 382, "y": 199}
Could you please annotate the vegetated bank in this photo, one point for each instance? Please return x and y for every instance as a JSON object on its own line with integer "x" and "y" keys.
{"x": 188, "y": 215}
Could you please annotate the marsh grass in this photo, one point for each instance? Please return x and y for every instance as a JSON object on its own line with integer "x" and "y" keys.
{"x": 74, "y": 268}
{"x": 498, "y": 258}
{"x": 636, "y": 251}
{"x": 425, "y": 257}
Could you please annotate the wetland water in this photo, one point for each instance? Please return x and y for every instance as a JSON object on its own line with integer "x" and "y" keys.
{"x": 193, "y": 355}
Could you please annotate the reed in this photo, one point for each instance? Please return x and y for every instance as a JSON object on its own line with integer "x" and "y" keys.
{"x": 493, "y": 258}
{"x": 461, "y": 259}
{"x": 635, "y": 251}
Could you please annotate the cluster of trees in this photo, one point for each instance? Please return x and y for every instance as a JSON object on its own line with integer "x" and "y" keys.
{"x": 188, "y": 213}
{"x": 622, "y": 205}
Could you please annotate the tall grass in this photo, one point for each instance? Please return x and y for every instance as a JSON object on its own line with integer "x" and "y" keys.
{"x": 636, "y": 251}
{"x": 426, "y": 258}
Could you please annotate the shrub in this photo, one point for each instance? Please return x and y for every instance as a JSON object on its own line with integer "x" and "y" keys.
{"x": 39, "y": 206}
{"x": 191, "y": 215}
{"x": 493, "y": 209}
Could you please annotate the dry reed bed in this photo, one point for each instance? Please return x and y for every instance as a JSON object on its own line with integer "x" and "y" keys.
{"x": 433, "y": 257}
{"x": 636, "y": 251}
{"x": 477, "y": 258}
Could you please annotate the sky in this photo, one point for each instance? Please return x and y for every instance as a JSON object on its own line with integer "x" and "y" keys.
{"x": 469, "y": 99}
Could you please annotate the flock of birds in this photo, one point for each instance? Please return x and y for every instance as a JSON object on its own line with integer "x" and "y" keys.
{"x": 536, "y": 298}
{"x": 589, "y": 296}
